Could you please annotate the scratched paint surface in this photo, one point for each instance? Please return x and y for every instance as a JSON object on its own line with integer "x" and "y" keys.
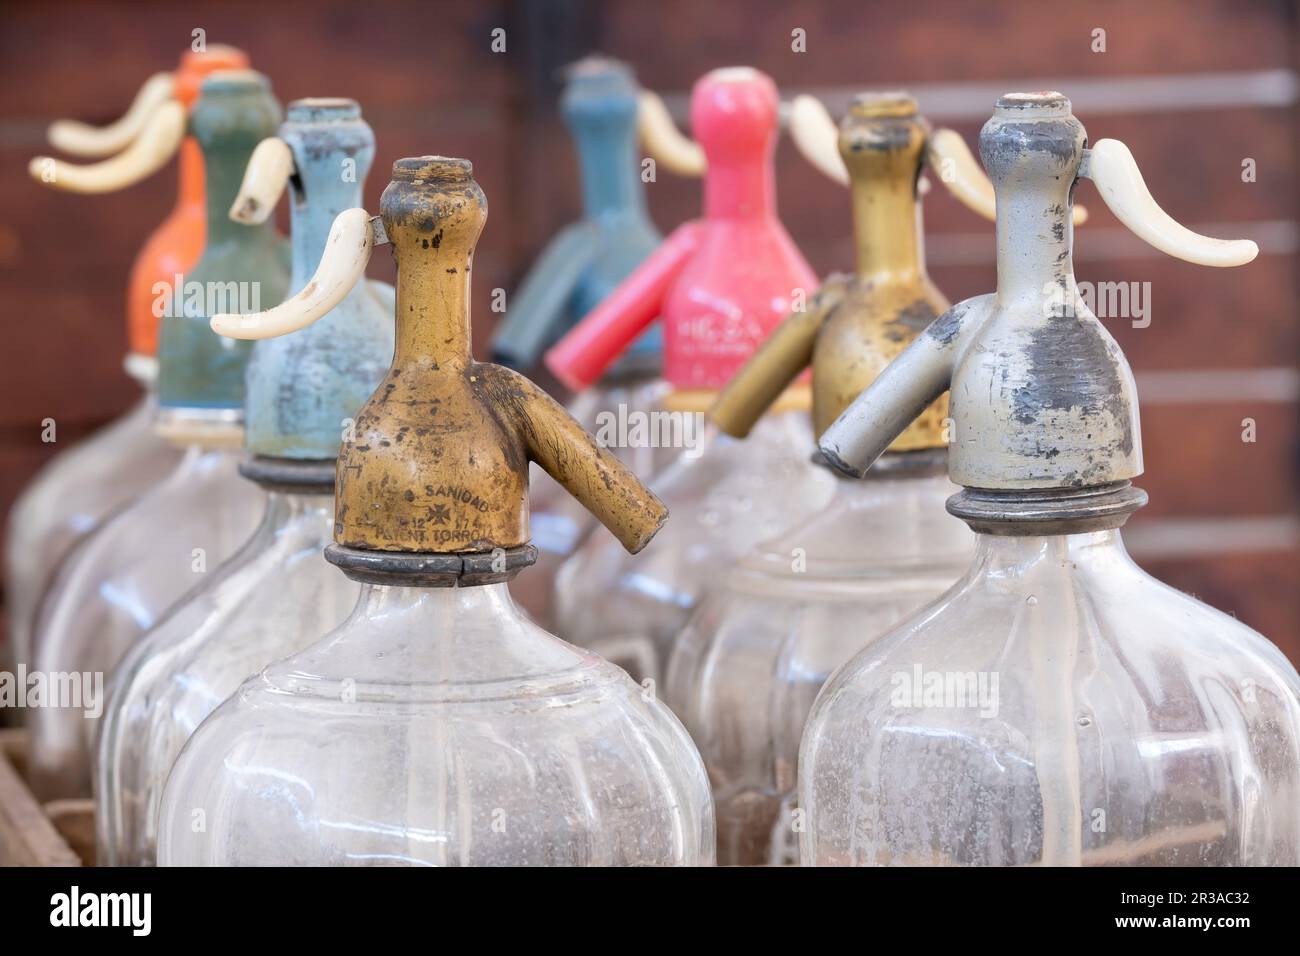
{"x": 439, "y": 459}
{"x": 304, "y": 388}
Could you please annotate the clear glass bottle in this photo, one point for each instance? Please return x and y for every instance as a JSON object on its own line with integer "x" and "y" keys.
{"x": 745, "y": 670}
{"x": 718, "y": 285}
{"x": 1057, "y": 706}
{"x": 69, "y": 498}
{"x": 122, "y": 578}
{"x": 743, "y": 673}
{"x": 251, "y": 610}
{"x": 277, "y": 592}
{"x": 724, "y": 500}
{"x": 438, "y": 725}
{"x": 76, "y": 491}
{"x": 118, "y": 584}
{"x": 427, "y": 730}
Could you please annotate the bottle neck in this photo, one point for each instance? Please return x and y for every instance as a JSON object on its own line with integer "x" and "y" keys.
{"x": 318, "y": 196}
{"x": 740, "y": 189}
{"x": 1014, "y": 558}
{"x": 1035, "y": 237}
{"x": 886, "y": 229}
{"x": 190, "y": 176}
{"x": 900, "y": 505}
{"x": 433, "y": 319}
{"x": 611, "y": 181}
{"x": 223, "y": 175}
{"x": 290, "y": 507}
{"x": 437, "y": 605}
{"x": 440, "y": 645}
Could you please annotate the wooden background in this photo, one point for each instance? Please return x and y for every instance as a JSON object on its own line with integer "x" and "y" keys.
{"x": 1195, "y": 88}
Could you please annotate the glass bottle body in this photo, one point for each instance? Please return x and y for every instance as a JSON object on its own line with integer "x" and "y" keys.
{"x": 744, "y": 672}
{"x": 117, "y": 585}
{"x": 68, "y": 499}
{"x": 559, "y": 523}
{"x": 270, "y": 599}
{"x": 1057, "y": 706}
{"x": 439, "y": 726}
{"x": 724, "y": 497}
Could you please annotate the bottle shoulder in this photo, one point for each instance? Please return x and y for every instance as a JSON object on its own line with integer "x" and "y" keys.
{"x": 747, "y": 259}
{"x": 1109, "y": 630}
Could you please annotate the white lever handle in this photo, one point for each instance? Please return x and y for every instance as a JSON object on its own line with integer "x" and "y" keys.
{"x": 952, "y": 161}
{"x": 664, "y": 141}
{"x": 265, "y": 178}
{"x": 1112, "y": 167}
{"x": 817, "y": 137}
{"x": 148, "y": 152}
{"x": 347, "y": 250}
{"x": 92, "y": 142}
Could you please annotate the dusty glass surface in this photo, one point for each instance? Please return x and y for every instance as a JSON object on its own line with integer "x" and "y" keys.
{"x": 438, "y": 726}
{"x": 1058, "y": 706}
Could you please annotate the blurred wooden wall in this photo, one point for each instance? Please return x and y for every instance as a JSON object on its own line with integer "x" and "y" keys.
{"x": 1195, "y": 88}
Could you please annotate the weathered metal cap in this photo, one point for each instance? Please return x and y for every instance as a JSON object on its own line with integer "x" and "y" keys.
{"x": 715, "y": 307}
{"x": 197, "y": 368}
{"x": 585, "y": 261}
{"x": 1042, "y": 398}
{"x": 197, "y": 65}
{"x": 303, "y": 389}
{"x": 855, "y": 325}
{"x": 598, "y": 69}
{"x": 438, "y": 460}
{"x": 1037, "y": 102}
{"x": 1032, "y": 127}
{"x": 894, "y": 104}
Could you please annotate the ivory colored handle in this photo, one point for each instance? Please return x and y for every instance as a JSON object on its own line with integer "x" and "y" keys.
{"x": 664, "y": 141}
{"x": 148, "y": 153}
{"x": 265, "y": 179}
{"x": 817, "y": 137}
{"x": 92, "y": 142}
{"x": 1112, "y": 167}
{"x": 347, "y": 250}
{"x": 951, "y": 160}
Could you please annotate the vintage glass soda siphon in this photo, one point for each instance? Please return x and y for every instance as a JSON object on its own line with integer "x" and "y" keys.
{"x": 78, "y": 489}
{"x": 438, "y": 725}
{"x": 744, "y": 672}
{"x": 575, "y": 272}
{"x": 121, "y": 579}
{"x": 276, "y": 592}
{"x": 1058, "y": 705}
{"x": 719, "y": 284}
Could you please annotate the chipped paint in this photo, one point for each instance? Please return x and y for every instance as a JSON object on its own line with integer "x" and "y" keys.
{"x": 856, "y": 325}
{"x": 439, "y": 461}
{"x": 1041, "y": 397}
{"x": 303, "y": 387}
{"x": 199, "y": 369}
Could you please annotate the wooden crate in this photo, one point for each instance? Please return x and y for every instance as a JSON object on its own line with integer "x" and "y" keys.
{"x": 58, "y": 833}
